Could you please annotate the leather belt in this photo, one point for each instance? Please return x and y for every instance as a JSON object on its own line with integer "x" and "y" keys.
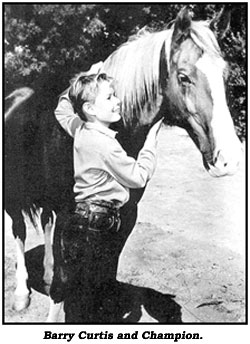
{"x": 102, "y": 215}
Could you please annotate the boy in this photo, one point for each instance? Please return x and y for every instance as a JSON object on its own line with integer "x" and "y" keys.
{"x": 103, "y": 174}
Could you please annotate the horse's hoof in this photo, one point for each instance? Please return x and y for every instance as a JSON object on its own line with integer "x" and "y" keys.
{"x": 21, "y": 302}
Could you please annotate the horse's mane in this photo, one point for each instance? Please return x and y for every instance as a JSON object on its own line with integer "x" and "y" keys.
{"x": 137, "y": 63}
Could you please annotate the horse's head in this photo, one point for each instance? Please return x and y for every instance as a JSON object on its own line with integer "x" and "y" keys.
{"x": 196, "y": 94}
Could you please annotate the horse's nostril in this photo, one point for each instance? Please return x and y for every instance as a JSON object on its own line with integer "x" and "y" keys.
{"x": 217, "y": 158}
{"x": 225, "y": 164}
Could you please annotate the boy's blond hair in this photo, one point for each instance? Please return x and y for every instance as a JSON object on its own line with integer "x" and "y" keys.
{"x": 85, "y": 89}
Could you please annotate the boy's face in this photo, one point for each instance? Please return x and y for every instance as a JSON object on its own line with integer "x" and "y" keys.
{"x": 106, "y": 108}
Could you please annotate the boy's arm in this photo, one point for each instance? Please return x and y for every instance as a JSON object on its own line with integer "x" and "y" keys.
{"x": 130, "y": 172}
{"x": 66, "y": 116}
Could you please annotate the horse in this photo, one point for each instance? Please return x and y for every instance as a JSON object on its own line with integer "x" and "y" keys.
{"x": 177, "y": 74}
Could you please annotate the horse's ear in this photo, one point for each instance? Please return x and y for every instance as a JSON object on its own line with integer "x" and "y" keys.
{"x": 220, "y": 24}
{"x": 182, "y": 26}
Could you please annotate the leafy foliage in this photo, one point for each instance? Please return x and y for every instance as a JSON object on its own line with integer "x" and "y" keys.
{"x": 60, "y": 40}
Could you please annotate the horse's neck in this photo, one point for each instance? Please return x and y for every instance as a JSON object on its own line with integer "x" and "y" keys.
{"x": 140, "y": 69}
{"x": 131, "y": 139}
{"x": 133, "y": 135}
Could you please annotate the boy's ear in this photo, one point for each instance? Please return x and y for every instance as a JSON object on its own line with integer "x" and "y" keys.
{"x": 88, "y": 108}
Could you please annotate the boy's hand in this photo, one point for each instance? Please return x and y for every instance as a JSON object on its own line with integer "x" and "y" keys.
{"x": 155, "y": 129}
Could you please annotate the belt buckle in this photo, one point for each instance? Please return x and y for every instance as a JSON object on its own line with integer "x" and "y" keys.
{"x": 111, "y": 222}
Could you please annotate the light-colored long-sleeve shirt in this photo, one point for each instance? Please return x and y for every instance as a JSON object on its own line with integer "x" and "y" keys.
{"x": 102, "y": 169}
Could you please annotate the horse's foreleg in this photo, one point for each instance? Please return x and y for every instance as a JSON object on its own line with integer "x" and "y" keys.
{"x": 54, "y": 311}
{"x": 22, "y": 293}
{"x": 47, "y": 220}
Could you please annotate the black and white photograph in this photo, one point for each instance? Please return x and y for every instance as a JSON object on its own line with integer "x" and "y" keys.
{"x": 124, "y": 169}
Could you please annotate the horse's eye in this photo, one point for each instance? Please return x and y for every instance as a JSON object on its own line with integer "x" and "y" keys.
{"x": 184, "y": 79}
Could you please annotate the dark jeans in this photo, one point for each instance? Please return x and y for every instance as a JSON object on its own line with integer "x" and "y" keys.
{"x": 85, "y": 264}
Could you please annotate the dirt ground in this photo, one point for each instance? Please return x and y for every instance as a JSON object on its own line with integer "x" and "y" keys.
{"x": 185, "y": 260}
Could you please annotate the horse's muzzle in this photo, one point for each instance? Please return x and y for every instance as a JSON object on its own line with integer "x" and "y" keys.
{"x": 224, "y": 165}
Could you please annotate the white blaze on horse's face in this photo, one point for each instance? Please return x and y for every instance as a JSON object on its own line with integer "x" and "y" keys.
{"x": 227, "y": 147}
{"x": 196, "y": 92}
